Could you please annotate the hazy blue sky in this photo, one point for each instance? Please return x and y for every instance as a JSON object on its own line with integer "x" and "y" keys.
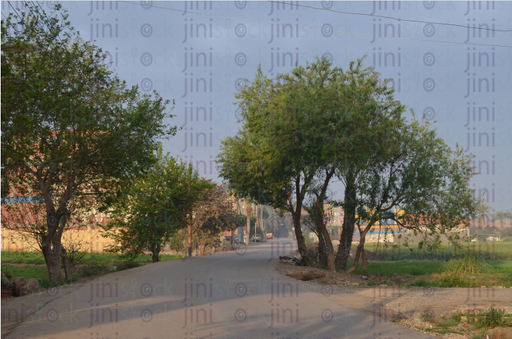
{"x": 197, "y": 53}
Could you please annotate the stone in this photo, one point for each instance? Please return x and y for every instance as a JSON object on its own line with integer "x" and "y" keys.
{"x": 23, "y": 286}
{"x": 500, "y": 333}
{"x": 6, "y": 284}
{"x": 32, "y": 286}
{"x": 19, "y": 286}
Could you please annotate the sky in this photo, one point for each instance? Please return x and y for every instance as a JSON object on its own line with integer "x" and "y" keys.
{"x": 451, "y": 61}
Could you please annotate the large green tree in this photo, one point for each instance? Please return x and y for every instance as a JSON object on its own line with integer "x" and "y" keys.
{"x": 275, "y": 157}
{"x": 419, "y": 183}
{"x": 153, "y": 207}
{"x": 71, "y": 130}
{"x": 296, "y": 135}
{"x": 317, "y": 123}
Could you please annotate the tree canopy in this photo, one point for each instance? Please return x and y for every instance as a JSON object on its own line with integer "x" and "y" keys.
{"x": 154, "y": 206}
{"x": 72, "y": 131}
{"x": 318, "y": 123}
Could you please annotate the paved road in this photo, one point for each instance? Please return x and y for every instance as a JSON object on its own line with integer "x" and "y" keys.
{"x": 227, "y": 295}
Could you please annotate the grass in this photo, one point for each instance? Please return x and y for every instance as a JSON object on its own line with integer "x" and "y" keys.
{"x": 93, "y": 264}
{"x": 479, "y": 323}
{"x": 36, "y": 258}
{"x": 489, "y": 251}
{"x": 38, "y": 272}
{"x": 454, "y": 273}
{"x": 475, "y": 264}
{"x": 401, "y": 267}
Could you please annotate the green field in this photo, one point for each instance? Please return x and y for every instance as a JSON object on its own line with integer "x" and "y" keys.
{"x": 490, "y": 251}
{"x": 92, "y": 264}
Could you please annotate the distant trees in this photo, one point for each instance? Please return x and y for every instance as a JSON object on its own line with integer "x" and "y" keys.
{"x": 502, "y": 215}
{"x": 319, "y": 123}
{"x": 213, "y": 215}
{"x": 156, "y": 209}
{"x": 71, "y": 130}
{"x": 153, "y": 207}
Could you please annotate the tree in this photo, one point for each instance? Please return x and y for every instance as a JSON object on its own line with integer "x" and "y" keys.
{"x": 153, "y": 207}
{"x": 212, "y": 216}
{"x": 72, "y": 131}
{"x": 273, "y": 160}
{"x": 296, "y": 137}
{"x": 316, "y": 123}
{"x": 420, "y": 176}
{"x": 502, "y": 215}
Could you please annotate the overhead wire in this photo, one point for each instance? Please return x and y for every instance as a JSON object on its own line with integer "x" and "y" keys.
{"x": 319, "y": 29}
{"x": 299, "y": 4}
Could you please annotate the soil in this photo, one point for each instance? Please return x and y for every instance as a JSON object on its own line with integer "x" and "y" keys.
{"x": 407, "y": 306}
{"x": 418, "y": 308}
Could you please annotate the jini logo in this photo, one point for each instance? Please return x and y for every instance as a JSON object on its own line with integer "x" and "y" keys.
{"x": 483, "y": 30}
{"x": 477, "y": 5}
{"x": 200, "y": 30}
{"x": 383, "y": 5}
{"x": 105, "y": 30}
{"x": 385, "y": 30}
{"x": 479, "y": 85}
{"x": 197, "y": 59}
{"x": 480, "y": 59}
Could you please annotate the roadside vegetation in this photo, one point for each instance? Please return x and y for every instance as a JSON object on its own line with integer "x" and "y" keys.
{"x": 474, "y": 325}
{"x": 487, "y": 250}
{"x": 32, "y": 265}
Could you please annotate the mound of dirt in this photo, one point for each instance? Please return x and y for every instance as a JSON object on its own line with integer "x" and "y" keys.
{"x": 371, "y": 256}
{"x": 306, "y": 275}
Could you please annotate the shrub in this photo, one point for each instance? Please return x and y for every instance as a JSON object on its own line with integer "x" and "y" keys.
{"x": 456, "y": 271}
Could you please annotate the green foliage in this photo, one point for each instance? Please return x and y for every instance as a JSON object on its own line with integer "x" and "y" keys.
{"x": 494, "y": 317}
{"x": 402, "y": 268}
{"x": 490, "y": 251}
{"x": 72, "y": 132}
{"x": 457, "y": 271}
{"x": 318, "y": 122}
{"x": 153, "y": 207}
{"x": 427, "y": 315}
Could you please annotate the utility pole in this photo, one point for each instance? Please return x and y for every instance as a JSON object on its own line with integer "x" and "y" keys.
{"x": 248, "y": 211}
{"x": 190, "y": 215}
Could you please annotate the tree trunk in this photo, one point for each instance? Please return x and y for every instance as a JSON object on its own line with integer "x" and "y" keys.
{"x": 51, "y": 253}
{"x": 325, "y": 245}
{"x": 328, "y": 250}
{"x": 359, "y": 253}
{"x": 155, "y": 249}
{"x": 322, "y": 255}
{"x": 365, "y": 260}
{"x": 347, "y": 232}
{"x": 303, "y": 251}
{"x": 248, "y": 212}
{"x": 66, "y": 264}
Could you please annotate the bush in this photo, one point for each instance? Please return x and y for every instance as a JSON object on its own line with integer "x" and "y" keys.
{"x": 456, "y": 271}
{"x": 492, "y": 318}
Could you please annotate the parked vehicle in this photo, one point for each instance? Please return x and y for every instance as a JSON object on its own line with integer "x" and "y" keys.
{"x": 256, "y": 237}
{"x": 270, "y": 236}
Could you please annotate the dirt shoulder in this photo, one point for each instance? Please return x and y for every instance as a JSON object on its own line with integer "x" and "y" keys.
{"x": 15, "y": 310}
{"x": 418, "y": 308}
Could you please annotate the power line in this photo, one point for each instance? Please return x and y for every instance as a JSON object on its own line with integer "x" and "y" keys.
{"x": 389, "y": 17}
{"x": 319, "y": 29}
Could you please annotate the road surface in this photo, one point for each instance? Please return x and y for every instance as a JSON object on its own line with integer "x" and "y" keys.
{"x": 226, "y": 295}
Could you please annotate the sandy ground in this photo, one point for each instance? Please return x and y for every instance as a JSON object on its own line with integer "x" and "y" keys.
{"x": 406, "y": 305}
